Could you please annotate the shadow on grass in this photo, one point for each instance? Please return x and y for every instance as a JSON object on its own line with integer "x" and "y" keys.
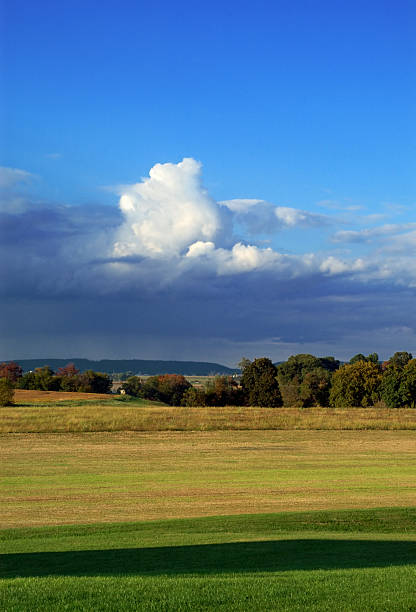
{"x": 238, "y": 557}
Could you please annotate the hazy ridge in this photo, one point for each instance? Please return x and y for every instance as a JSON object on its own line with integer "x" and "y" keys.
{"x": 137, "y": 366}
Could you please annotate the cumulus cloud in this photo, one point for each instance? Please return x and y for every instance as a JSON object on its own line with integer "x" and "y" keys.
{"x": 169, "y": 216}
{"x": 167, "y": 212}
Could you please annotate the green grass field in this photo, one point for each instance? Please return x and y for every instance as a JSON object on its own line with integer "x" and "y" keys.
{"x": 345, "y": 560}
{"x": 176, "y": 520}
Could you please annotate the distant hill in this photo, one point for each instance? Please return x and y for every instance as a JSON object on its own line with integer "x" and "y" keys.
{"x": 136, "y": 366}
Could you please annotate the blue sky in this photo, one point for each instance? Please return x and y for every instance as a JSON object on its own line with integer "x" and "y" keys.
{"x": 302, "y": 115}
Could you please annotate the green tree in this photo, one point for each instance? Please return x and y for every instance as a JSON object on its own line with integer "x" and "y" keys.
{"x": 167, "y": 388}
{"x": 260, "y": 385}
{"x": 193, "y": 397}
{"x": 358, "y": 357}
{"x": 408, "y": 384}
{"x": 315, "y": 387}
{"x": 304, "y": 379}
{"x": 133, "y": 386}
{"x": 45, "y": 379}
{"x": 27, "y": 381}
{"x": 400, "y": 359}
{"x": 94, "y": 382}
{"x": 6, "y": 392}
{"x": 244, "y": 363}
{"x": 396, "y": 384}
{"x": 372, "y": 357}
{"x": 356, "y": 384}
{"x": 390, "y": 391}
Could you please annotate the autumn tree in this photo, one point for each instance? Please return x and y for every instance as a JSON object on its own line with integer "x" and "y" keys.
{"x": 167, "y": 388}
{"x": 68, "y": 371}
{"x": 223, "y": 391}
{"x": 11, "y": 370}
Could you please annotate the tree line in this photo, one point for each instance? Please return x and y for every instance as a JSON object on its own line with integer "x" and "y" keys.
{"x": 67, "y": 378}
{"x": 303, "y": 380}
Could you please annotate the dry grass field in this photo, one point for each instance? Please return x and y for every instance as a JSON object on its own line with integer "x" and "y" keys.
{"x": 22, "y": 396}
{"x": 61, "y": 413}
{"x": 56, "y": 479}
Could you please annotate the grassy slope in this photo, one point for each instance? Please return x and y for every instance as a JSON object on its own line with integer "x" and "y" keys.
{"x": 350, "y": 560}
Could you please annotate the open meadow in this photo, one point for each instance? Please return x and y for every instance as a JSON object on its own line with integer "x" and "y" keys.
{"x": 211, "y": 518}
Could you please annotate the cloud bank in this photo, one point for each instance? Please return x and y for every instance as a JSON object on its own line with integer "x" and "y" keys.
{"x": 171, "y": 216}
{"x": 170, "y": 272}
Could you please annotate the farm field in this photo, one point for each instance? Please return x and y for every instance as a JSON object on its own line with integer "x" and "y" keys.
{"x": 221, "y": 519}
{"x": 52, "y": 479}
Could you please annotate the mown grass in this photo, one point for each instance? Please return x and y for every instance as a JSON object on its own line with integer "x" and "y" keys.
{"x": 126, "y": 476}
{"x": 360, "y": 560}
{"x": 126, "y": 414}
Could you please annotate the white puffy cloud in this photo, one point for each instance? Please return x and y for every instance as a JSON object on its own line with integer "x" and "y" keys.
{"x": 199, "y": 249}
{"x": 167, "y": 212}
{"x": 333, "y": 265}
